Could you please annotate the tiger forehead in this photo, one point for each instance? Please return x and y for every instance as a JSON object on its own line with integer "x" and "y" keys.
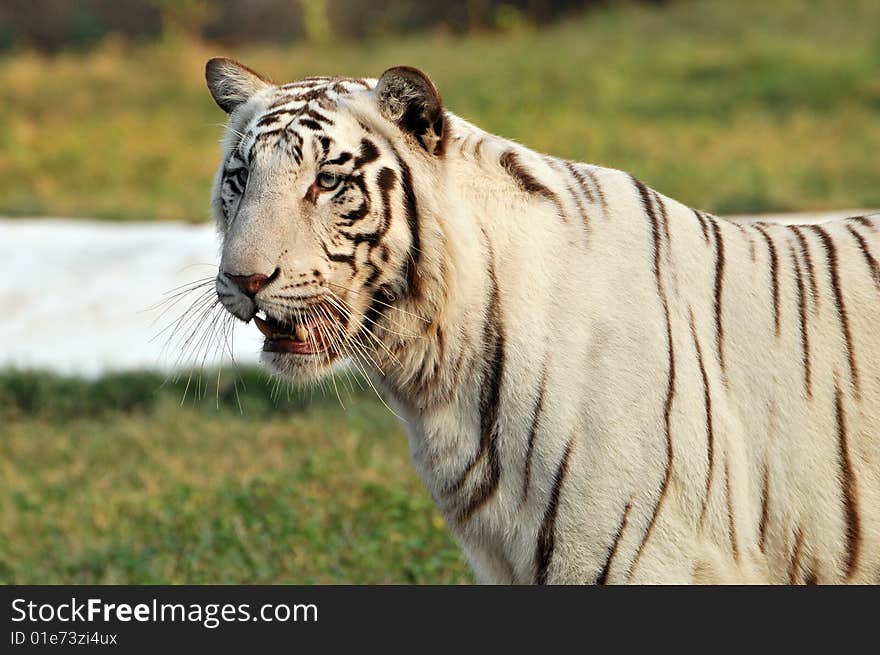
{"x": 310, "y": 103}
{"x": 323, "y": 91}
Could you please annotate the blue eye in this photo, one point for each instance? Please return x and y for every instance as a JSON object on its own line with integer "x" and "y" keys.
{"x": 328, "y": 181}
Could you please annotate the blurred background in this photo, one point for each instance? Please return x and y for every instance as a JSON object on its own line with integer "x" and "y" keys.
{"x": 122, "y": 462}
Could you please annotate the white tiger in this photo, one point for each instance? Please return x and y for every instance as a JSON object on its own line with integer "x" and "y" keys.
{"x": 599, "y": 384}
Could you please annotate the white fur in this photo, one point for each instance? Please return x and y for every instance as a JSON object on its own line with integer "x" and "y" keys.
{"x": 579, "y": 299}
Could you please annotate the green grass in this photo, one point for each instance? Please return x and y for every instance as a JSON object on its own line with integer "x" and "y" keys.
{"x": 744, "y": 106}
{"x": 115, "y": 481}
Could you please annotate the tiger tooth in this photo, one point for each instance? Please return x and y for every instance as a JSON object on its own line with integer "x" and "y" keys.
{"x": 262, "y": 326}
{"x": 302, "y": 332}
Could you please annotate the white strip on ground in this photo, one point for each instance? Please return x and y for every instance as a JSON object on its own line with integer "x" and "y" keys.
{"x": 75, "y": 296}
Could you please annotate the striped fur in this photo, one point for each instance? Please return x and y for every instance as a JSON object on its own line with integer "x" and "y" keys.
{"x": 600, "y": 385}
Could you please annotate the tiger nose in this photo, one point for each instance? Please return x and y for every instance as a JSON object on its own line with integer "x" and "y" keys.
{"x": 251, "y": 285}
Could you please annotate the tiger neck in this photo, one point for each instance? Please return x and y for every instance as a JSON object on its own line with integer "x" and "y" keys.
{"x": 432, "y": 333}
{"x": 450, "y": 367}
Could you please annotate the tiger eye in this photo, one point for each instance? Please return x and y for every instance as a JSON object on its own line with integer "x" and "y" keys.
{"x": 328, "y": 181}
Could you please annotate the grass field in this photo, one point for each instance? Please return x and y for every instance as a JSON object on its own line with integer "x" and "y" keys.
{"x": 114, "y": 481}
{"x": 746, "y": 106}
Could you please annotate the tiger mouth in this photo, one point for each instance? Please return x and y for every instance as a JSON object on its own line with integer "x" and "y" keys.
{"x": 303, "y": 335}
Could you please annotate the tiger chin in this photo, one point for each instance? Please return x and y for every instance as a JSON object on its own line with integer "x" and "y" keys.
{"x": 600, "y": 385}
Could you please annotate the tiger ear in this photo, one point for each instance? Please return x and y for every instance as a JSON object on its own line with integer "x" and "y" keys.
{"x": 232, "y": 83}
{"x": 408, "y": 98}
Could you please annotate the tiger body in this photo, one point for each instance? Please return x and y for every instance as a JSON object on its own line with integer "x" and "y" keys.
{"x": 606, "y": 386}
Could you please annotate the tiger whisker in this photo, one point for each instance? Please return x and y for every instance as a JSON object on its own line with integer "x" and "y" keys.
{"x": 395, "y": 323}
{"x": 171, "y": 301}
{"x": 366, "y": 376}
{"x": 204, "y": 296}
{"x": 201, "y": 345}
{"x": 378, "y": 342}
{"x": 326, "y": 336}
{"x": 197, "y": 319}
{"x": 398, "y": 309}
{"x": 356, "y": 344}
{"x": 201, "y": 280}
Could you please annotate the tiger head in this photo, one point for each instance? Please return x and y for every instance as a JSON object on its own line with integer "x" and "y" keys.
{"x": 316, "y": 206}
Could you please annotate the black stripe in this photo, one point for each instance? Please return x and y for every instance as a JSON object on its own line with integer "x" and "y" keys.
{"x": 527, "y": 182}
{"x": 286, "y": 139}
{"x": 317, "y": 116}
{"x": 325, "y": 142}
{"x": 367, "y": 153}
{"x": 848, "y": 490}
{"x": 356, "y": 214}
{"x": 597, "y": 186}
{"x": 585, "y": 187}
{"x": 349, "y": 218}
{"x": 357, "y": 81}
{"x": 340, "y": 258}
{"x": 279, "y": 132}
{"x": 810, "y": 578}
{"x": 523, "y": 178}
{"x": 311, "y": 80}
{"x": 490, "y": 402}
{"x": 478, "y": 149}
{"x": 301, "y": 96}
{"x": 703, "y": 227}
{"x": 277, "y": 115}
{"x": 283, "y": 100}
{"x": 648, "y": 208}
{"x": 664, "y": 218}
{"x": 575, "y": 194}
{"x": 774, "y": 275}
{"x": 533, "y": 431}
{"x": 381, "y": 298}
{"x": 340, "y": 159}
{"x": 794, "y": 566}
{"x": 808, "y": 259}
{"x": 805, "y": 332}
{"x": 412, "y": 220}
{"x": 731, "y": 517}
{"x": 547, "y": 533}
{"x": 292, "y": 113}
{"x": 748, "y": 235}
{"x": 719, "y": 291}
{"x": 385, "y": 180}
{"x": 831, "y": 255}
{"x": 870, "y": 260}
{"x": 670, "y": 388}
{"x": 602, "y": 578}
{"x": 710, "y": 432}
{"x": 410, "y": 266}
{"x": 310, "y": 124}
{"x": 580, "y": 207}
{"x": 765, "y": 509}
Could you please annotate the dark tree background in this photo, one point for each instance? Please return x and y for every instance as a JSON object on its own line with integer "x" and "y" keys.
{"x": 55, "y": 24}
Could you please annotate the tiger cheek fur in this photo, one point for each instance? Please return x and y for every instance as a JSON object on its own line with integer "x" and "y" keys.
{"x": 600, "y": 385}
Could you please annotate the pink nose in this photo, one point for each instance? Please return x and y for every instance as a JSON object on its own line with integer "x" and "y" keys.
{"x": 251, "y": 285}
